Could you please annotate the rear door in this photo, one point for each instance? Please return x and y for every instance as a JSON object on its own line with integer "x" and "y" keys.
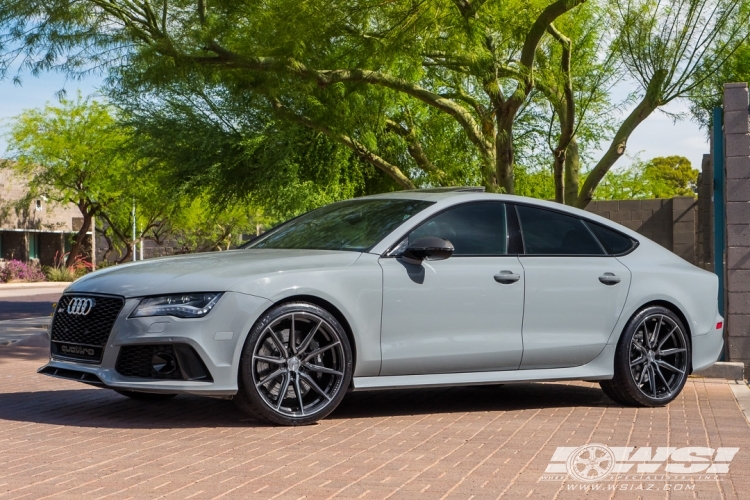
{"x": 575, "y": 290}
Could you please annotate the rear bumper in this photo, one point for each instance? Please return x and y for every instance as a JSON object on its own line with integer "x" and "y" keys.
{"x": 707, "y": 348}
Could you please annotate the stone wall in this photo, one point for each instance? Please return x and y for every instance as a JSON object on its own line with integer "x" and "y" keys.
{"x": 671, "y": 222}
{"x": 39, "y": 214}
{"x": 737, "y": 196}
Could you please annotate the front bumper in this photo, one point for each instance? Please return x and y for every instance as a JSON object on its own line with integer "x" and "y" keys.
{"x": 217, "y": 339}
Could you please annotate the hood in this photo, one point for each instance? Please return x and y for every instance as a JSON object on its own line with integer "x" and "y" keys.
{"x": 204, "y": 272}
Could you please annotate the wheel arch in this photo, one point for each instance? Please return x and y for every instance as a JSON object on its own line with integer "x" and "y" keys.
{"x": 678, "y": 312}
{"x": 328, "y": 306}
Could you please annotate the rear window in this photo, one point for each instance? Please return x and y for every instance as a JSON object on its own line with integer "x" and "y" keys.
{"x": 612, "y": 241}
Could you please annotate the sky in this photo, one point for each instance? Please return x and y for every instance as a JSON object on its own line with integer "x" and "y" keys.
{"x": 656, "y": 136}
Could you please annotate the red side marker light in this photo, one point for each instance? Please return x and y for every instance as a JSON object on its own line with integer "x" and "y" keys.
{"x": 719, "y": 325}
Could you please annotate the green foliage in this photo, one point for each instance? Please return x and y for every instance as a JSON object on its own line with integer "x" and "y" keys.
{"x": 70, "y": 154}
{"x": 661, "y": 177}
{"x": 288, "y": 105}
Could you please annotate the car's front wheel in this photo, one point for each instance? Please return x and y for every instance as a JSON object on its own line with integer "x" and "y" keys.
{"x": 295, "y": 367}
{"x": 652, "y": 359}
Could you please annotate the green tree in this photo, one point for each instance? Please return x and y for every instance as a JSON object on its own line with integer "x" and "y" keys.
{"x": 393, "y": 82}
{"x": 661, "y": 177}
{"x": 68, "y": 153}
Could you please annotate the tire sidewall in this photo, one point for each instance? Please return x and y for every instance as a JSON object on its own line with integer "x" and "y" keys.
{"x": 245, "y": 379}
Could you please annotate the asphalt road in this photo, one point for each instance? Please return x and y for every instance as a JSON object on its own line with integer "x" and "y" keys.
{"x": 27, "y": 306}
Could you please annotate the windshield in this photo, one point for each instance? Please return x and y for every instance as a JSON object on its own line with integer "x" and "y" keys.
{"x": 355, "y": 225}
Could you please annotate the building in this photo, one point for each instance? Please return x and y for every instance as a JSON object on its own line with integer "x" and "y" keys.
{"x": 41, "y": 230}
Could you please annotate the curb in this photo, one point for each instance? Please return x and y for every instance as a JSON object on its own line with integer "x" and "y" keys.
{"x": 742, "y": 394}
{"x": 34, "y": 284}
{"x": 723, "y": 369}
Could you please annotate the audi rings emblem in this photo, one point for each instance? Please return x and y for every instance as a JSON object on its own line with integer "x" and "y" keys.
{"x": 80, "y": 306}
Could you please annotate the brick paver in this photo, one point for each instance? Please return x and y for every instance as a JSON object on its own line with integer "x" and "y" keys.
{"x": 61, "y": 439}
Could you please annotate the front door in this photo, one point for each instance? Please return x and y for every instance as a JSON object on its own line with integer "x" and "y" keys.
{"x": 462, "y": 314}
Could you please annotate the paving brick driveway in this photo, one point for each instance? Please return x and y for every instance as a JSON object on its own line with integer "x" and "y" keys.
{"x": 61, "y": 439}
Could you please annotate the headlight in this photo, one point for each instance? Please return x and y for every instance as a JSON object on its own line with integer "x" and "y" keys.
{"x": 184, "y": 305}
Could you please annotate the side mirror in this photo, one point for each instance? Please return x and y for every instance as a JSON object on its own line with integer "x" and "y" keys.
{"x": 427, "y": 248}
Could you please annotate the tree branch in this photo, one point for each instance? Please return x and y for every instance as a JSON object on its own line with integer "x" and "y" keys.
{"x": 414, "y": 147}
{"x": 362, "y": 152}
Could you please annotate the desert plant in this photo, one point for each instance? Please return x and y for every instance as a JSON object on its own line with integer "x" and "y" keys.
{"x": 61, "y": 272}
{"x": 16, "y": 270}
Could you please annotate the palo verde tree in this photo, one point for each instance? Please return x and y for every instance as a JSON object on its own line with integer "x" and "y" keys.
{"x": 393, "y": 81}
{"x": 68, "y": 154}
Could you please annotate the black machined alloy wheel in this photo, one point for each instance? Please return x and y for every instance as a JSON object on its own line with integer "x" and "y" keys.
{"x": 652, "y": 359}
{"x": 296, "y": 365}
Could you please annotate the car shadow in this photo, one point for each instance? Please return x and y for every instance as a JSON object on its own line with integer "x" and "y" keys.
{"x": 85, "y": 406}
{"x": 103, "y": 408}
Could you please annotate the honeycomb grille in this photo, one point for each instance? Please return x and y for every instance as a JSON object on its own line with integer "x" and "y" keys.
{"x": 92, "y": 329}
{"x": 135, "y": 361}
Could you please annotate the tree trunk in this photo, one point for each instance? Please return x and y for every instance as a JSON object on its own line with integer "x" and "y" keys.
{"x": 558, "y": 167}
{"x": 616, "y": 149}
{"x": 572, "y": 170}
{"x": 504, "y": 152}
{"x": 80, "y": 237}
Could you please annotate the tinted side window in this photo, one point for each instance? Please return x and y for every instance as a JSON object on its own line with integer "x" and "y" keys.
{"x": 612, "y": 241}
{"x": 551, "y": 233}
{"x": 476, "y": 229}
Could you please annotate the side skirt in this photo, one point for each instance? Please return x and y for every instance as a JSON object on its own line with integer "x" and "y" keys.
{"x": 601, "y": 368}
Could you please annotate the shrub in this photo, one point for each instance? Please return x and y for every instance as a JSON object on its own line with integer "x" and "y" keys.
{"x": 15, "y": 270}
{"x": 61, "y": 272}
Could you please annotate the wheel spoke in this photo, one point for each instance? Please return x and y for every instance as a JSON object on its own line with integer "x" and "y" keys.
{"x": 292, "y": 338}
{"x": 666, "y": 337}
{"x": 269, "y": 359}
{"x": 277, "y": 341}
{"x": 270, "y": 377}
{"x": 661, "y": 376}
{"x": 322, "y": 369}
{"x": 669, "y": 352}
{"x": 656, "y": 332}
{"x": 314, "y": 385}
{"x": 299, "y": 394}
{"x": 642, "y": 379}
{"x": 282, "y": 391}
{"x": 666, "y": 365}
{"x": 308, "y": 338}
{"x": 640, "y": 347}
{"x": 638, "y": 361}
{"x": 652, "y": 380}
{"x": 321, "y": 350}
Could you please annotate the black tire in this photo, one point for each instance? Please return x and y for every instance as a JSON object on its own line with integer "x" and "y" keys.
{"x": 144, "y": 396}
{"x": 270, "y": 367}
{"x": 652, "y": 359}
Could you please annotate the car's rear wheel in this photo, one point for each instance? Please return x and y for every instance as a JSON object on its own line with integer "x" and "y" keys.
{"x": 652, "y": 359}
{"x": 296, "y": 365}
{"x": 144, "y": 396}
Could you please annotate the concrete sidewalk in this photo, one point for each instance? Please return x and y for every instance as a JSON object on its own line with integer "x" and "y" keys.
{"x": 68, "y": 440}
{"x": 30, "y": 331}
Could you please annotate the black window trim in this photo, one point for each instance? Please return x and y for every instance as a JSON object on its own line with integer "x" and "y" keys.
{"x": 586, "y": 223}
{"x": 388, "y": 254}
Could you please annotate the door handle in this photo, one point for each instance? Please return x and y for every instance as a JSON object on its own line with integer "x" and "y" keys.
{"x": 609, "y": 279}
{"x": 507, "y": 277}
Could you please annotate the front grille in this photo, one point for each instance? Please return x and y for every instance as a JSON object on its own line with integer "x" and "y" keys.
{"x": 91, "y": 329}
{"x": 136, "y": 361}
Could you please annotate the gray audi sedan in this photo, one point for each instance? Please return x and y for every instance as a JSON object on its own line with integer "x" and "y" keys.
{"x": 422, "y": 288}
